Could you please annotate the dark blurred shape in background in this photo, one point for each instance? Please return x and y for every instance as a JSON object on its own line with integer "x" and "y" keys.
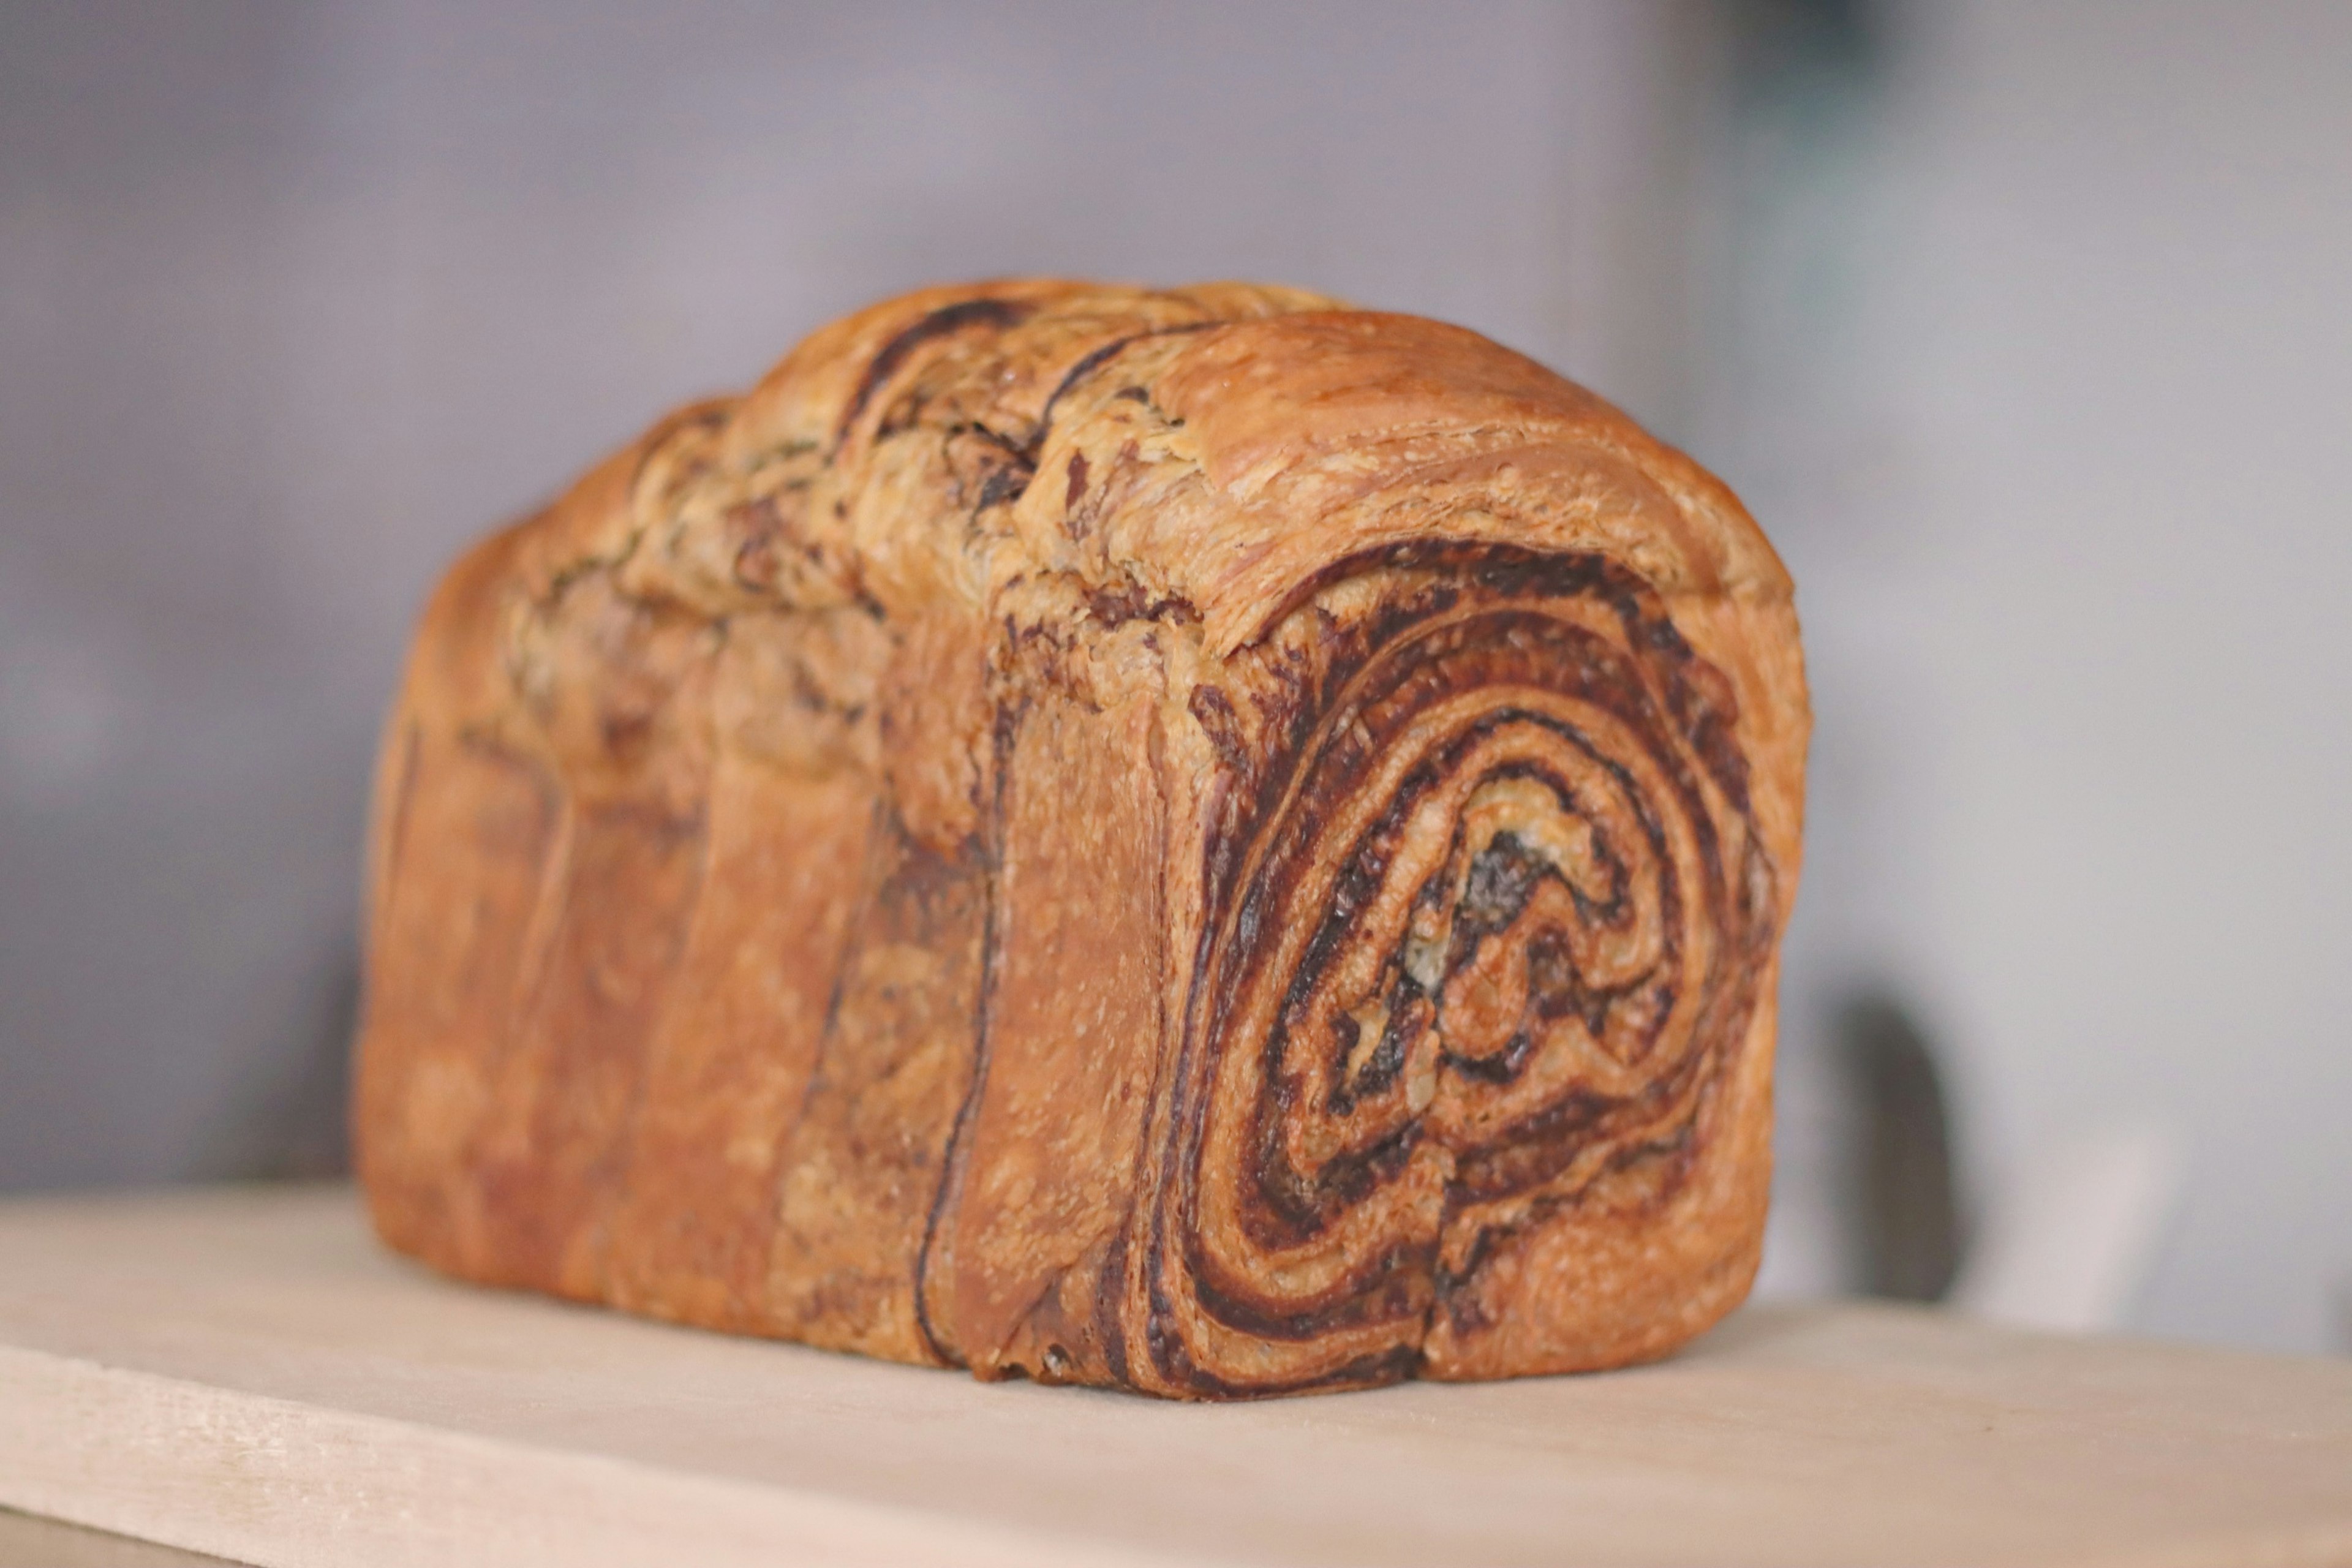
{"x": 1908, "y": 1213}
{"x": 2020, "y": 327}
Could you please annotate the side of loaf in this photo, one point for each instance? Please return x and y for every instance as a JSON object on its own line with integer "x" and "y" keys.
{"x": 1194, "y": 840}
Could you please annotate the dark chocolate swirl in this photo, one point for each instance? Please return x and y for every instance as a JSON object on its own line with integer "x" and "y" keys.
{"x": 1496, "y": 936}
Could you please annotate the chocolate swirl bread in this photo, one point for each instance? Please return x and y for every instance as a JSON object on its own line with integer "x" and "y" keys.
{"x": 1197, "y": 841}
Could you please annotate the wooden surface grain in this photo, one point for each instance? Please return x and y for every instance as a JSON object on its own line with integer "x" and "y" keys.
{"x": 244, "y": 1373}
{"x": 28, "y": 1541}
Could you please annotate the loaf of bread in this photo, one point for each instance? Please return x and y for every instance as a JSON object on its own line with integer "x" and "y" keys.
{"x": 1197, "y": 841}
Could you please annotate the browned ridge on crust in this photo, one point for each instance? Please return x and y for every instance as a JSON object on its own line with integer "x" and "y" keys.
{"x": 1192, "y": 840}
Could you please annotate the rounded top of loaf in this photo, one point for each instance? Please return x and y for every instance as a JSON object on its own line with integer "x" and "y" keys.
{"x": 1210, "y": 448}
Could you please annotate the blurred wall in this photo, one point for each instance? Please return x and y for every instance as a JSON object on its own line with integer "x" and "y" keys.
{"x": 2035, "y": 353}
{"x": 296, "y": 299}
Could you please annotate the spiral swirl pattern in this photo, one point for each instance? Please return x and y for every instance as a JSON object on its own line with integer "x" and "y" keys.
{"x": 1497, "y": 934}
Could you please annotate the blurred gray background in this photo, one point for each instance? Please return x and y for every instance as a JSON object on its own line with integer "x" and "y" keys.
{"x": 2023, "y": 329}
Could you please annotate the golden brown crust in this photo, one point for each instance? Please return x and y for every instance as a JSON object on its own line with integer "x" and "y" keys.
{"x": 1195, "y": 840}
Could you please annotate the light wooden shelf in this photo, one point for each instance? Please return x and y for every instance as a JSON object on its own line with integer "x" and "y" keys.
{"x": 244, "y": 1373}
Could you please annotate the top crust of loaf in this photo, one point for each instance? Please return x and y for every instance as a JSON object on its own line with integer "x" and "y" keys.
{"x": 1290, "y": 412}
{"x": 1208, "y": 453}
